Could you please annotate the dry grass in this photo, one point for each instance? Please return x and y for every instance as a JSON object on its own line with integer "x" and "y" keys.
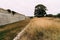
{"x": 42, "y": 29}
{"x": 9, "y": 31}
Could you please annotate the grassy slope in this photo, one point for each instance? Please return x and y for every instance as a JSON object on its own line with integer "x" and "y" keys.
{"x": 42, "y": 29}
{"x": 9, "y": 31}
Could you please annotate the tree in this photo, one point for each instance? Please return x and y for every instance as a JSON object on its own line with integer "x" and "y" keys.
{"x": 58, "y": 15}
{"x": 40, "y": 10}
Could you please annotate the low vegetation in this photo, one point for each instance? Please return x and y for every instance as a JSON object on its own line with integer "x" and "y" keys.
{"x": 9, "y": 31}
{"x": 41, "y": 29}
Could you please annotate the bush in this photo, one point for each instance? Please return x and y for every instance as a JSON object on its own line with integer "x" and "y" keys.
{"x": 13, "y": 12}
{"x": 49, "y": 15}
{"x": 58, "y": 15}
{"x": 9, "y": 10}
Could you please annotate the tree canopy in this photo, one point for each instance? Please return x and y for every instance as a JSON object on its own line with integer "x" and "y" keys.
{"x": 40, "y": 10}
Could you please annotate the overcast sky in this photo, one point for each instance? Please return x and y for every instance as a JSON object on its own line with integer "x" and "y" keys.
{"x": 26, "y": 7}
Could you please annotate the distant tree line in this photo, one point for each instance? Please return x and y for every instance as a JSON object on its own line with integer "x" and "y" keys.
{"x": 51, "y": 15}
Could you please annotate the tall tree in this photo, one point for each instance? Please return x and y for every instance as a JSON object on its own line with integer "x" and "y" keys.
{"x": 40, "y": 10}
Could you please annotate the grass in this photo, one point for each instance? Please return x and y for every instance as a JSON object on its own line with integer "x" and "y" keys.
{"x": 37, "y": 29}
{"x": 9, "y": 31}
{"x": 42, "y": 29}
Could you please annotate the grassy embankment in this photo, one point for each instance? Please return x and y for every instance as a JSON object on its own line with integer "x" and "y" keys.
{"x": 42, "y": 29}
{"x": 9, "y": 31}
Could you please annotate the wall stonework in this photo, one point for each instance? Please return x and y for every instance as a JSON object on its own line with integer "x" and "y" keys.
{"x": 6, "y": 18}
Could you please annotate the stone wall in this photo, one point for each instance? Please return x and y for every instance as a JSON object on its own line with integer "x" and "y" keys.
{"x": 6, "y": 18}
